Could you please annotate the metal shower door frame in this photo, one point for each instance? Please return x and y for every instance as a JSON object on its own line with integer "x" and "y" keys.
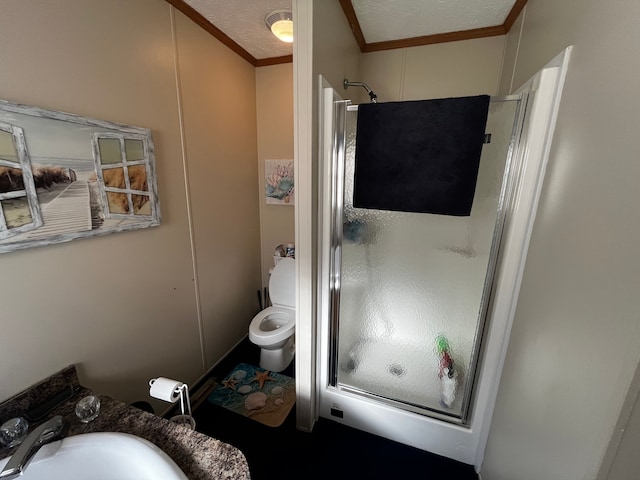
{"x": 336, "y": 207}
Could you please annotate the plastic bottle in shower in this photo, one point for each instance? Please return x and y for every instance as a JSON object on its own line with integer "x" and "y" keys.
{"x": 446, "y": 373}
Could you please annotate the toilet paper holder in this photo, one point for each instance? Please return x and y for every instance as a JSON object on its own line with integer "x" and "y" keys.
{"x": 175, "y": 390}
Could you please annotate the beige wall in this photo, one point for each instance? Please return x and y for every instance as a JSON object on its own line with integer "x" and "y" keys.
{"x": 336, "y": 55}
{"x": 274, "y": 97}
{"x": 124, "y": 306}
{"x": 219, "y": 106}
{"x": 470, "y": 67}
{"x": 576, "y": 335}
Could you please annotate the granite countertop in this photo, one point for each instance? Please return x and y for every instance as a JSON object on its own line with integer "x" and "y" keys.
{"x": 199, "y": 456}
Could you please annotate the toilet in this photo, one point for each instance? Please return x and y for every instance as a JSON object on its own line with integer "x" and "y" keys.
{"x": 273, "y": 328}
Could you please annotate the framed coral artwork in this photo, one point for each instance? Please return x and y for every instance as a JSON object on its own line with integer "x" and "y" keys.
{"x": 65, "y": 177}
{"x": 279, "y": 187}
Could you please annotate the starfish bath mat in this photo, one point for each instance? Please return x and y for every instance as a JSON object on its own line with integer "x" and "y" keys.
{"x": 259, "y": 394}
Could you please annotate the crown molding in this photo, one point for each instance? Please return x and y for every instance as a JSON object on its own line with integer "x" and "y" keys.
{"x": 350, "y": 14}
{"x": 265, "y": 62}
{"x": 352, "y": 19}
{"x": 200, "y": 20}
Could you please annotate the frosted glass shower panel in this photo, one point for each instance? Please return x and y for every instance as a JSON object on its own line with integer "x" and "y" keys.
{"x": 413, "y": 287}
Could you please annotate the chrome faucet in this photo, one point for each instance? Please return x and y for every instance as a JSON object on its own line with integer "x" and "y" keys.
{"x": 44, "y": 433}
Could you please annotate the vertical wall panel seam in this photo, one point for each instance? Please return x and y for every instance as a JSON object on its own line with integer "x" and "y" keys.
{"x": 261, "y": 181}
{"x": 515, "y": 62}
{"x": 503, "y": 62}
{"x": 183, "y": 147}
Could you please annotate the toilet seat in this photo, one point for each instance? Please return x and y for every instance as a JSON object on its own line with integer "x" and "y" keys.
{"x": 272, "y": 325}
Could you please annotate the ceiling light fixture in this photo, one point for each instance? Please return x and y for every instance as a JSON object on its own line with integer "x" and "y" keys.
{"x": 280, "y": 22}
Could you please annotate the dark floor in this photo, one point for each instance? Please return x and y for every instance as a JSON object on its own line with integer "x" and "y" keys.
{"x": 332, "y": 450}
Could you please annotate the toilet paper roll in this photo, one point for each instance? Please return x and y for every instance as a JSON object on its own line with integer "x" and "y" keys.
{"x": 165, "y": 389}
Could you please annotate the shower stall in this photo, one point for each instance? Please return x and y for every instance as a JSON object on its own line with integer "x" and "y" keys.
{"x": 406, "y": 295}
{"x": 414, "y": 309}
{"x": 410, "y": 290}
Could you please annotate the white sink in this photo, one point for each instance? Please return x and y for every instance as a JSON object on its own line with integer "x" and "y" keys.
{"x": 100, "y": 456}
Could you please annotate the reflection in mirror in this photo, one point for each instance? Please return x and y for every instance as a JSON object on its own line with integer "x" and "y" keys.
{"x": 141, "y": 205}
{"x": 134, "y": 149}
{"x": 16, "y": 212}
{"x": 118, "y": 202}
{"x": 19, "y": 212}
{"x": 8, "y": 149}
{"x": 10, "y": 177}
{"x": 129, "y": 180}
{"x": 113, "y": 177}
{"x": 11, "y": 180}
{"x": 138, "y": 178}
{"x": 109, "y": 151}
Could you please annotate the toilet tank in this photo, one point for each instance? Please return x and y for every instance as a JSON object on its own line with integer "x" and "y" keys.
{"x": 282, "y": 284}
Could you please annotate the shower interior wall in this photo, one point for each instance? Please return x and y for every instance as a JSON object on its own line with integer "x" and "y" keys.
{"x": 456, "y": 69}
{"x": 436, "y": 71}
{"x": 416, "y": 276}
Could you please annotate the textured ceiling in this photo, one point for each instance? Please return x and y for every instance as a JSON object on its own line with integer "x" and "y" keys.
{"x": 380, "y": 20}
{"x": 243, "y": 22}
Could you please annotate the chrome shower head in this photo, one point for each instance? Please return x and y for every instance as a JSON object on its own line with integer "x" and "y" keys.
{"x": 372, "y": 95}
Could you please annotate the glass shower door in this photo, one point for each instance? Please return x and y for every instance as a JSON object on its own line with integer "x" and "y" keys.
{"x": 408, "y": 314}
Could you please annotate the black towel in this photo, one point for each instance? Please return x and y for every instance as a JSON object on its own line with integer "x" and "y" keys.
{"x": 419, "y": 156}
